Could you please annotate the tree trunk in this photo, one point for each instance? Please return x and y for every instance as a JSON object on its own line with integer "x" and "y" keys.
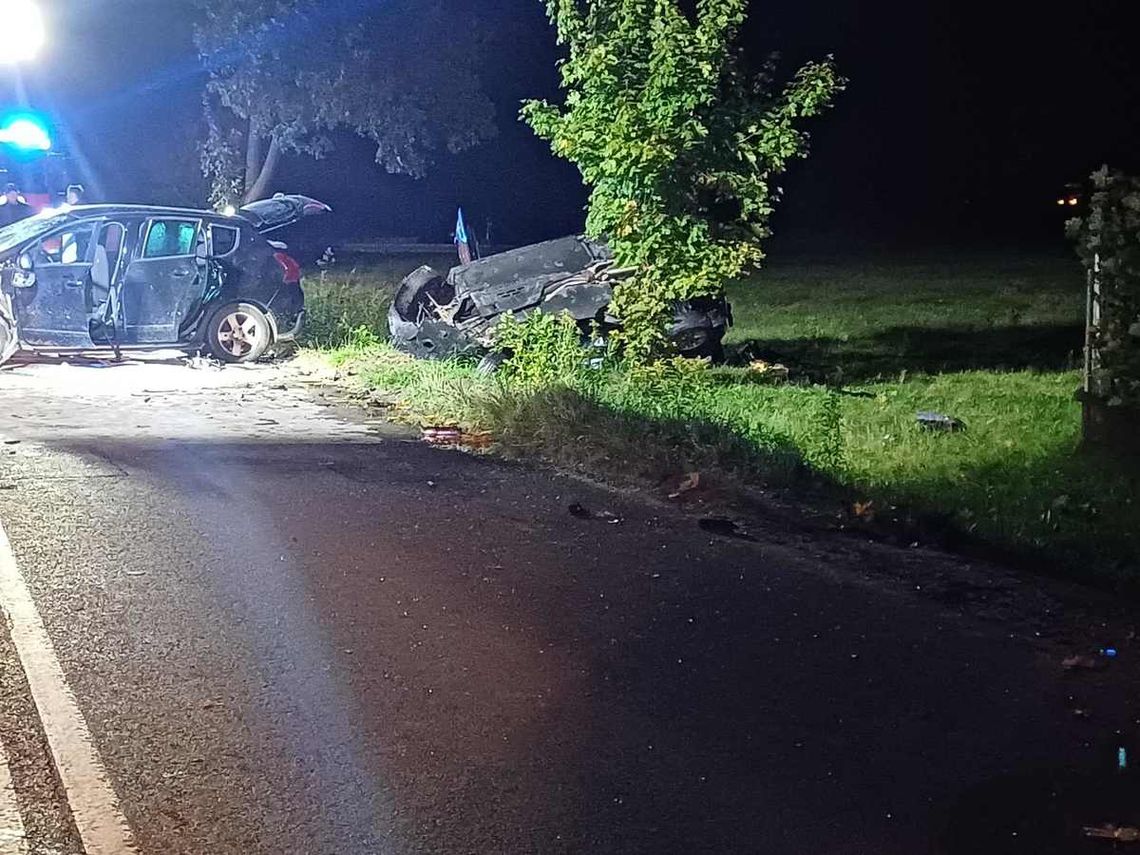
{"x": 254, "y": 156}
{"x": 260, "y": 187}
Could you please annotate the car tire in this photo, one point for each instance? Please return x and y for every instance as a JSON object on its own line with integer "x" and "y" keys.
{"x": 8, "y": 342}
{"x": 414, "y": 292}
{"x": 239, "y": 332}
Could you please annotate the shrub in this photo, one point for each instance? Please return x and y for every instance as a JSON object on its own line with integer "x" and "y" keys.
{"x": 543, "y": 349}
{"x": 342, "y": 311}
{"x": 679, "y": 143}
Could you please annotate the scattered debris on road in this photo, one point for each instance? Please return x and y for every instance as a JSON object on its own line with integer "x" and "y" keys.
{"x": 456, "y": 437}
{"x": 449, "y": 435}
{"x": 203, "y": 363}
{"x": 689, "y": 483}
{"x": 583, "y": 513}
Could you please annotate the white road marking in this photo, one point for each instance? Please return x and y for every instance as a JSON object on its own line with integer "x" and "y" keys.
{"x": 102, "y": 827}
{"x": 12, "y": 840}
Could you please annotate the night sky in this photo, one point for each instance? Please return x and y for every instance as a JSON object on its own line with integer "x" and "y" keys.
{"x": 962, "y": 121}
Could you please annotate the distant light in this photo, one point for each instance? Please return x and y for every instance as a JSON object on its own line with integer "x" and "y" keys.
{"x": 23, "y": 27}
{"x": 229, "y": 211}
{"x": 1060, "y": 201}
{"x": 1073, "y": 201}
{"x": 25, "y": 132}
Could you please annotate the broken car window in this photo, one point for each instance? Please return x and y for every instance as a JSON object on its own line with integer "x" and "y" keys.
{"x": 66, "y": 247}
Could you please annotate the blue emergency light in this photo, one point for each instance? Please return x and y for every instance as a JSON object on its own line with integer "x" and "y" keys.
{"x": 25, "y": 132}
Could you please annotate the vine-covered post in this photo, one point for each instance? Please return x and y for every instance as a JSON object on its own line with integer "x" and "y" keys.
{"x": 1108, "y": 242}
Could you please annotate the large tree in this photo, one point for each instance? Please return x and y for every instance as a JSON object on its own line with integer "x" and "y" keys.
{"x": 680, "y": 142}
{"x": 284, "y": 75}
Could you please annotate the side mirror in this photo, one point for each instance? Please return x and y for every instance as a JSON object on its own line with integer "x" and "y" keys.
{"x": 25, "y": 262}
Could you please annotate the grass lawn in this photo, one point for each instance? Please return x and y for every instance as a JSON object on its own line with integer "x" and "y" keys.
{"x": 993, "y": 341}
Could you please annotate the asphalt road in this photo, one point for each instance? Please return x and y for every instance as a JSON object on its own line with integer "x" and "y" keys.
{"x": 292, "y": 631}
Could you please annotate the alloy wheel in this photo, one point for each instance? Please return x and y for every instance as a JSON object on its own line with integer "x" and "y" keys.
{"x": 239, "y": 333}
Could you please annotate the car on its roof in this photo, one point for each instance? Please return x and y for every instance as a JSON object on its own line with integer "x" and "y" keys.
{"x": 130, "y": 277}
{"x": 435, "y": 316}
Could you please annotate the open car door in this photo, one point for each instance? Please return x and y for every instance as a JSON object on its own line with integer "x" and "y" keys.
{"x": 268, "y": 215}
{"x": 112, "y": 251}
{"x": 52, "y": 301}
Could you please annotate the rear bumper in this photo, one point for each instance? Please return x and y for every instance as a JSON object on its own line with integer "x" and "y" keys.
{"x": 291, "y": 331}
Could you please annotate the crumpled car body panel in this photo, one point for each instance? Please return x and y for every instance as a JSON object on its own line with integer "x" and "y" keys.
{"x": 437, "y": 316}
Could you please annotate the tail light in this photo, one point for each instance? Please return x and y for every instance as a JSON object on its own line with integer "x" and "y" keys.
{"x": 289, "y": 267}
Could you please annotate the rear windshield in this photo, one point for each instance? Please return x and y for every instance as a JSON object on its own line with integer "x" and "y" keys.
{"x": 23, "y": 231}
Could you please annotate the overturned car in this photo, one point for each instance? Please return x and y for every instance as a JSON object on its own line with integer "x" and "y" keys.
{"x": 435, "y": 316}
{"x": 133, "y": 277}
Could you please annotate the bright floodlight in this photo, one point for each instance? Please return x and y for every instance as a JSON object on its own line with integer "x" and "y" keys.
{"x": 22, "y": 26}
{"x": 26, "y": 134}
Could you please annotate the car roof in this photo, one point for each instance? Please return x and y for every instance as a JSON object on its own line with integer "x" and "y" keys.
{"x": 81, "y": 211}
{"x": 151, "y": 211}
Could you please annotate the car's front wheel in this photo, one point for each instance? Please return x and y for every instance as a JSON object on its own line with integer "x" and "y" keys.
{"x": 239, "y": 332}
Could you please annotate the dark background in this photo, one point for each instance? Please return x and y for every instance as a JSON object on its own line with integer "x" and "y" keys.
{"x": 961, "y": 125}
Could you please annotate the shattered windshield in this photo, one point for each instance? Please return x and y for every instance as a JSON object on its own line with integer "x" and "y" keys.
{"x": 15, "y": 234}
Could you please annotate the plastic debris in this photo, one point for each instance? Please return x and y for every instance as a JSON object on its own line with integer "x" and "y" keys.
{"x": 442, "y": 434}
{"x": 584, "y": 513}
{"x": 938, "y": 421}
{"x": 689, "y": 483}
{"x": 203, "y": 363}
{"x": 452, "y": 435}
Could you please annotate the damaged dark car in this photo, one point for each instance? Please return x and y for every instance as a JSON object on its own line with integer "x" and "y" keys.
{"x": 436, "y": 316}
{"x": 133, "y": 277}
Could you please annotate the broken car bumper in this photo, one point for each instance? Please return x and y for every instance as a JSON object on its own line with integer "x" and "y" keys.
{"x": 293, "y": 331}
